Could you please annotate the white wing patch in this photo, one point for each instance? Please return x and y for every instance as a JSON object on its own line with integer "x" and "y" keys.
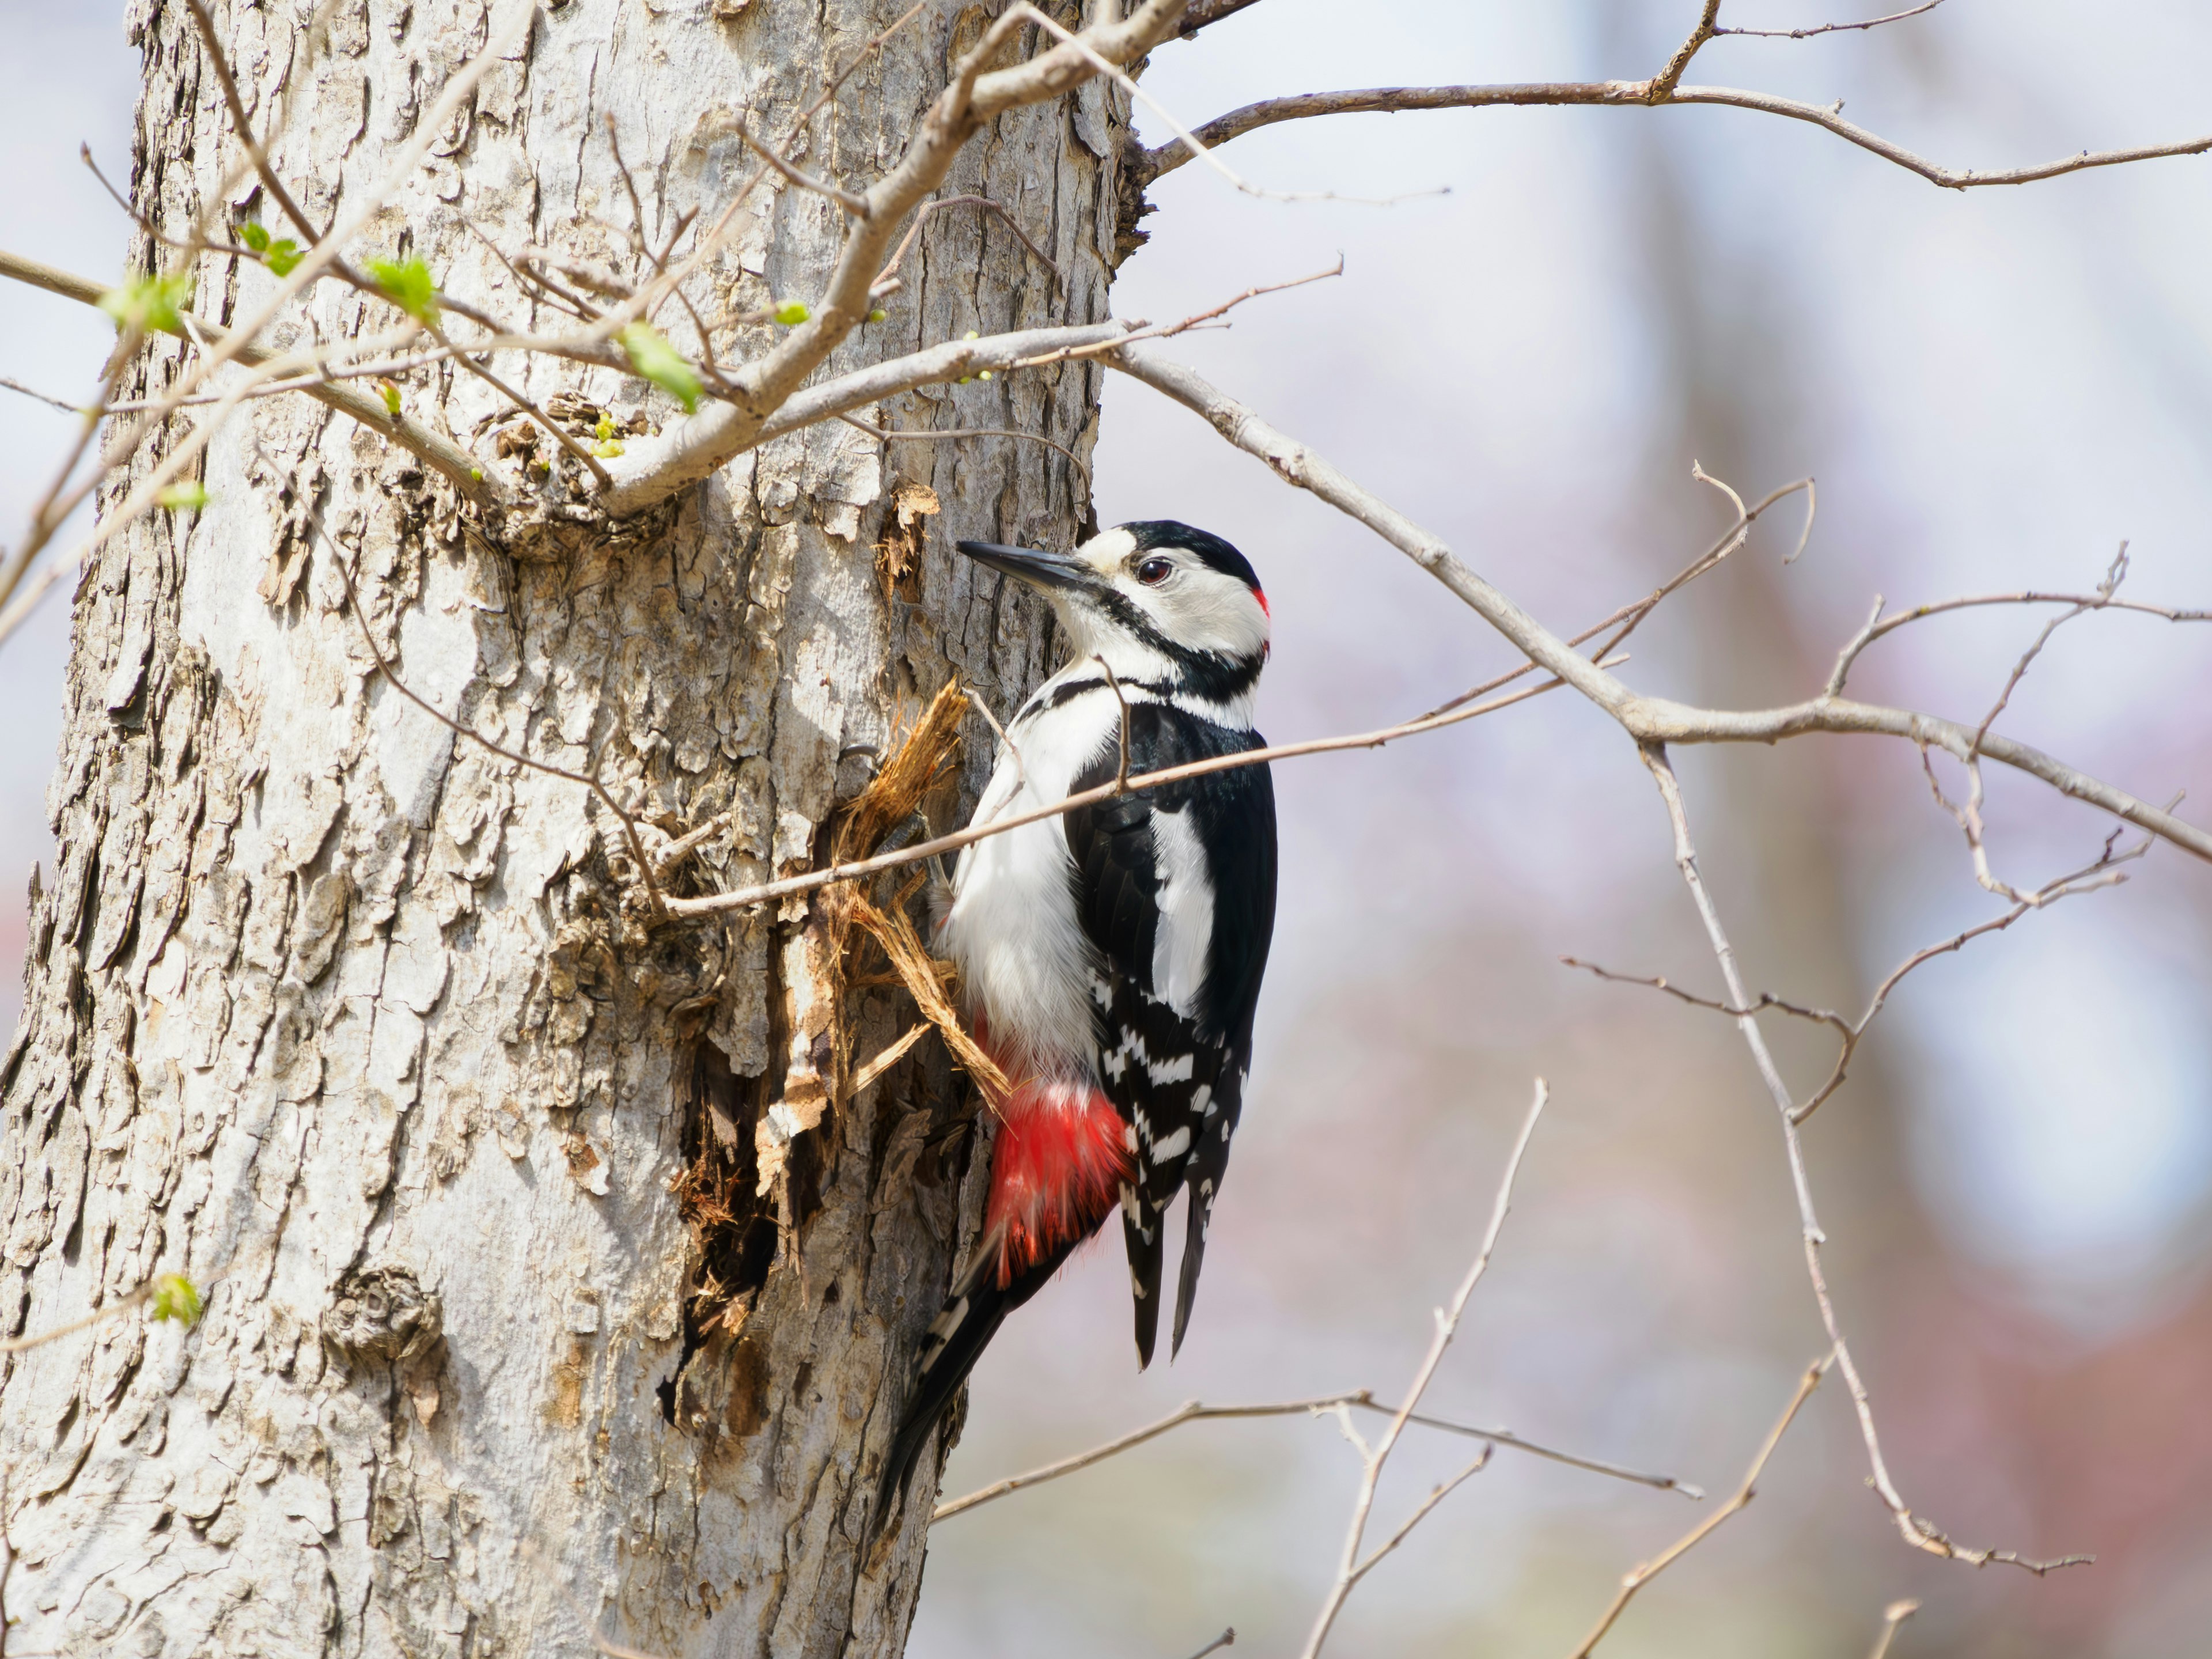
{"x": 1185, "y": 939}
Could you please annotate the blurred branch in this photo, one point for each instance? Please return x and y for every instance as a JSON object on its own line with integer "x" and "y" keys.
{"x": 1643, "y": 1575}
{"x": 1920, "y": 1533}
{"x": 1353, "y": 1567}
{"x": 464, "y": 469}
{"x": 1228, "y": 1637}
{"x": 1891, "y": 1616}
{"x": 1193, "y": 1410}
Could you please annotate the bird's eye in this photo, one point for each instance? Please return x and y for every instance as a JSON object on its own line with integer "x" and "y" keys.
{"x": 1153, "y": 572}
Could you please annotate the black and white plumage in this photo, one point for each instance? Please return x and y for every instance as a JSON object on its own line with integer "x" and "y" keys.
{"x": 1110, "y": 958}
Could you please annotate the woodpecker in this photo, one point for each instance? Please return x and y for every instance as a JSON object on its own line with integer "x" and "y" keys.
{"x": 1110, "y": 959}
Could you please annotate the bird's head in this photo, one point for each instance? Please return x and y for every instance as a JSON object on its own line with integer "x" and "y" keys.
{"x": 1159, "y": 600}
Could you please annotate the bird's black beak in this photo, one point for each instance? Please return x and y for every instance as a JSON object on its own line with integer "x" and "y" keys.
{"x": 1037, "y": 569}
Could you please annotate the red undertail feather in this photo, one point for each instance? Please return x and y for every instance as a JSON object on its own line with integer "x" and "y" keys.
{"x": 1056, "y": 1171}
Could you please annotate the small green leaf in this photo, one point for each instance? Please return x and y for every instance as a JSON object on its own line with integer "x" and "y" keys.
{"x": 184, "y": 497}
{"x": 790, "y": 313}
{"x": 606, "y": 449}
{"x": 149, "y": 303}
{"x": 255, "y": 235}
{"x": 391, "y": 394}
{"x": 409, "y": 285}
{"x": 878, "y": 315}
{"x": 652, "y": 356}
{"x": 283, "y": 257}
{"x": 177, "y": 1297}
{"x": 605, "y": 428}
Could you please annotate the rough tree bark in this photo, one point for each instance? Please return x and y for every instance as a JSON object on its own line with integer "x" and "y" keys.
{"x": 550, "y": 1280}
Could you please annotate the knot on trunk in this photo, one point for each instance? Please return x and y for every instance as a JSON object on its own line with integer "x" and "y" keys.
{"x": 383, "y": 1316}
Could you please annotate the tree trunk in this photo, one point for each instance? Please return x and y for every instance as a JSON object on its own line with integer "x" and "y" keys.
{"x": 556, "y": 1279}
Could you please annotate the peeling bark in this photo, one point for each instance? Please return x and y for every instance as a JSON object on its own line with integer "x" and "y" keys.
{"x": 550, "y": 1278}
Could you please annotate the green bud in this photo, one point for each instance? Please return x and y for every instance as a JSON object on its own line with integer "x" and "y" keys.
{"x": 149, "y": 303}
{"x": 652, "y": 356}
{"x": 790, "y": 313}
{"x": 476, "y": 474}
{"x": 606, "y": 449}
{"x": 878, "y": 315}
{"x": 408, "y": 284}
{"x": 177, "y": 1297}
{"x": 391, "y": 394}
{"x": 184, "y": 497}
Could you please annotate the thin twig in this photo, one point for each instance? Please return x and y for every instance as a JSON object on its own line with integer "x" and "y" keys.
{"x": 1832, "y": 28}
{"x": 885, "y": 434}
{"x": 1226, "y": 1639}
{"x": 1643, "y": 1575}
{"x": 2114, "y": 575}
{"x": 1647, "y": 720}
{"x": 588, "y": 780}
{"x": 66, "y": 407}
{"x": 855, "y": 205}
{"x": 1122, "y": 773}
{"x": 1625, "y": 94}
{"x": 1877, "y": 625}
{"x": 1920, "y": 1533}
{"x": 1193, "y": 1410}
{"x": 1351, "y": 1568}
{"x": 810, "y": 880}
{"x": 922, "y": 218}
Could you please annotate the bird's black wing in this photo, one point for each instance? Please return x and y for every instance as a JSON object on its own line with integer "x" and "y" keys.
{"x": 1176, "y": 1076}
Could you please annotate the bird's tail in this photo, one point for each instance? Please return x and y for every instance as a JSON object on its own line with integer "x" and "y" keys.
{"x": 978, "y": 1305}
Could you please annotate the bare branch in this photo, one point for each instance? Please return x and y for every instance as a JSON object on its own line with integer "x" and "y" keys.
{"x": 1643, "y": 1575}
{"x": 1193, "y": 1411}
{"x": 464, "y": 471}
{"x": 1228, "y": 1637}
{"x": 933, "y": 434}
{"x": 760, "y": 387}
{"x": 1620, "y": 94}
{"x": 1877, "y": 625}
{"x": 813, "y": 879}
{"x": 883, "y": 283}
{"x": 1916, "y": 1531}
{"x": 1351, "y": 1568}
{"x": 1647, "y": 720}
{"x": 1200, "y": 12}
{"x": 855, "y": 205}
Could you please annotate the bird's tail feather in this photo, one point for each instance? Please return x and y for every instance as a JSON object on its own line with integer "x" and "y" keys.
{"x": 973, "y": 1313}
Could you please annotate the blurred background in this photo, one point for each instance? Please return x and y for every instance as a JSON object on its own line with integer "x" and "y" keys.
{"x": 1994, "y": 389}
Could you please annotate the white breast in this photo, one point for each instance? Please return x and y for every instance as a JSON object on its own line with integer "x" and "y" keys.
{"x": 1024, "y": 961}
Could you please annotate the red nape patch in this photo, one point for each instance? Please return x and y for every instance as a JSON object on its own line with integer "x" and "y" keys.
{"x": 1056, "y": 1171}
{"x": 1266, "y": 610}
